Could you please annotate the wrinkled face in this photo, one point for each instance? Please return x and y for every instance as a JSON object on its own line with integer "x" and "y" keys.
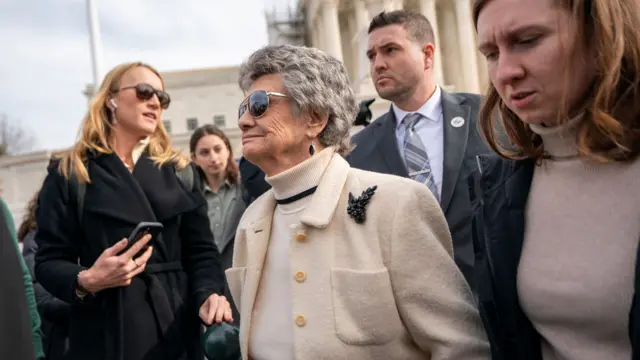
{"x": 211, "y": 155}
{"x": 139, "y": 117}
{"x": 277, "y": 132}
{"x": 397, "y": 64}
{"x": 531, "y": 48}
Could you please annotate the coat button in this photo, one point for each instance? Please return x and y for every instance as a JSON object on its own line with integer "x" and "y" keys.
{"x": 301, "y": 320}
{"x": 300, "y": 276}
{"x": 301, "y": 237}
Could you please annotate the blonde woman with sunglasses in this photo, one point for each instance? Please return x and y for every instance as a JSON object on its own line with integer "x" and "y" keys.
{"x": 144, "y": 300}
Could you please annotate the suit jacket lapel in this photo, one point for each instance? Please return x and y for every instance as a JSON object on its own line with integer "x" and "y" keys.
{"x": 388, "y": 145}
{"x": 455, "y": 144}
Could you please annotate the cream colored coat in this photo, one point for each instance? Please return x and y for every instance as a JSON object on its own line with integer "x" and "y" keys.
{"x": 385, "y": 289}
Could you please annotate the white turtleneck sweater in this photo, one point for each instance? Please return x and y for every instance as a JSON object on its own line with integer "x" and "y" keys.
{"x": 271, "y": 336}
{"x": 576, "y": 273}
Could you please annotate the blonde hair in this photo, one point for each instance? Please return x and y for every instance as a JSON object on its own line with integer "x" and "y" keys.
{"x": 611, "y": 107}
{"x": 97, "y": 130}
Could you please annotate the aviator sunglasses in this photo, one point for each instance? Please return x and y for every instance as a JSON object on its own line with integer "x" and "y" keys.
{"x": 145, "y": 92}
{"x": 257, "y": 103}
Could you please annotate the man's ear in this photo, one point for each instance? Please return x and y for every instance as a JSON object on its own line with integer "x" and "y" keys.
{"x": 428, "y": 50}
{"x": 316, "y": 124}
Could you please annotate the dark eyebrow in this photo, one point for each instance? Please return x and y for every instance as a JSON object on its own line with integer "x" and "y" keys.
{"x": 527, "y": 28}
{"x": 515, "y": 32}
{"x": 384, "y": 45}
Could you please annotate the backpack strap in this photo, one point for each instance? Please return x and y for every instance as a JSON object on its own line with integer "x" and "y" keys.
{"x": 186, "y": 176}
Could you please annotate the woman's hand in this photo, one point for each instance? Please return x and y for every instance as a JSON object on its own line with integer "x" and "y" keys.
{"x": 216, "y": 308}
{"x": 113, "y": 270}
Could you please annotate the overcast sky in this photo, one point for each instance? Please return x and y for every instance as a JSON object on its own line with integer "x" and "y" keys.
{"x": 45, "y": 54}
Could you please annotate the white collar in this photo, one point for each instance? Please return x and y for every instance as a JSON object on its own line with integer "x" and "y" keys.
{"x": 431, "y": 109}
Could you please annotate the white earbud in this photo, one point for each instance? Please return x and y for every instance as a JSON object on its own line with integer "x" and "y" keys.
{"x": 113, "y": 114}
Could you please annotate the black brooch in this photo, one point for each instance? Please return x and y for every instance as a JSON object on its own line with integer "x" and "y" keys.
{"x": 357, "y": 205}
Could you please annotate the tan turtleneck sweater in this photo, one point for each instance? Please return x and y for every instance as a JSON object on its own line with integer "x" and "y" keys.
{"x": 576, "y": 273}
{"x": 271, "y": 335}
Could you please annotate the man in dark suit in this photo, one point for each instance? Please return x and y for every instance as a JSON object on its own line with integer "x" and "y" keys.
{"x": 428, "y": 134}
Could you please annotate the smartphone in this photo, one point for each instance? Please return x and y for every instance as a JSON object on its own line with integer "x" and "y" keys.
{"x": 144, "y": 228}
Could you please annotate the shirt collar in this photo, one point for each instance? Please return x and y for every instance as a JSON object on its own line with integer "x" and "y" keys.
{"x": 431, "y": 109}
{"x": 226, "y": 184}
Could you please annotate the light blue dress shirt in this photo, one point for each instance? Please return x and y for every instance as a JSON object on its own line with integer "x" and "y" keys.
{"x": 430, "y": 129}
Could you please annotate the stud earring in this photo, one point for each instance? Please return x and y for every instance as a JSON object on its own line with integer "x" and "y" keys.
{"x": 312, "y": 149}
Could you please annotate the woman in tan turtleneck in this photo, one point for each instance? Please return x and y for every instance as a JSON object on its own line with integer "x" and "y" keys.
{"x": 558, "y": 221}
{"x": 334, "y": 262}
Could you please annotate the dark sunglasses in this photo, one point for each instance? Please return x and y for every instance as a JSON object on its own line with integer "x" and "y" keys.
{"x": 257, "y": 103}
{"x": 145, "y": 92}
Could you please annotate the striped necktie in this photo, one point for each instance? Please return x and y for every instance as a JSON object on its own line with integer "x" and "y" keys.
{"x": 415, "y": 155}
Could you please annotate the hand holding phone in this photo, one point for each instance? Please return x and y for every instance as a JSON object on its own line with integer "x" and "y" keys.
{"x": 152, "y": 228}
{"x": 120, "y": 263}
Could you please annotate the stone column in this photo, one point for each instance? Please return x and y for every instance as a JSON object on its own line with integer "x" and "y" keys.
{"x": 361, "y": 16}
{"x": 468, "y": 50}
{"x": 450, "y": 47}
{"x": 359, "y": 42}
{"x": 313, "y": 32}
{"x": 428, "y": 9}
{"x": 320, "y": 35}
{"x": 377, "y": 6}
{"x": 331, "y": 28}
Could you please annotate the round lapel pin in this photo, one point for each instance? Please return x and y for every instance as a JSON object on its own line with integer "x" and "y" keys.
{"x": 457, "y": 122}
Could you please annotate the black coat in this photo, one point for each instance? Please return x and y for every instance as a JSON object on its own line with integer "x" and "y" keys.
{"x": 156, "y": 317}
{"x": 54, "y": 313}
{"x": 501, "y": 191}
{"x": 16, "y": 341}
{"x": 252, "y": 180}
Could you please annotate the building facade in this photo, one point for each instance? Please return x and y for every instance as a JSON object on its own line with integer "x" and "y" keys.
{"x": 338, "y": 27}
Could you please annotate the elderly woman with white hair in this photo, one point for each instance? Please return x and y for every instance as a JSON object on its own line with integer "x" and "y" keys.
{"x": 334, "y": 262}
